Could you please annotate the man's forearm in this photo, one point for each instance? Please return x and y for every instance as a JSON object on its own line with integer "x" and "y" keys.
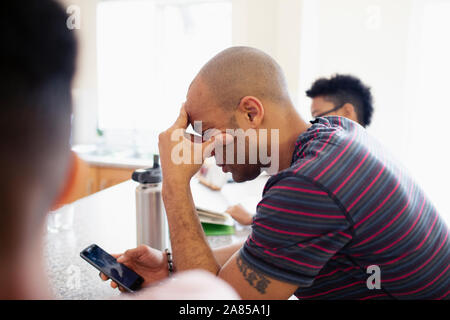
{"x": 189, "y": 244}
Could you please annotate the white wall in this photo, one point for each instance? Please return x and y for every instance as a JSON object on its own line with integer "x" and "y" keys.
{"x": 366, "y": 38}
{"x": 274, "y": 27}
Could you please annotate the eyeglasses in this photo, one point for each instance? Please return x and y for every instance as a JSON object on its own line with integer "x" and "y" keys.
{"x": 329, "y": 111}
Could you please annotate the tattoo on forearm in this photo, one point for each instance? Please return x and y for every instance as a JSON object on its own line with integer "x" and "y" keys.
{"x": 256, "y": 279}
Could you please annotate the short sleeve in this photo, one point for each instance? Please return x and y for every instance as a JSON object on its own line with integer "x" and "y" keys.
{"x": 297, "y": 228}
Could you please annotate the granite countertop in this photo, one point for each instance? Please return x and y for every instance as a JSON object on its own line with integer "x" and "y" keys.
{"x": 107, "y": 219}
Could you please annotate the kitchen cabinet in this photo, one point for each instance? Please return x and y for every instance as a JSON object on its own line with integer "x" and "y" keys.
{"x": 98, "y": 171}
{"x": 98, "y": 178}
{"x": 91, "y": 182}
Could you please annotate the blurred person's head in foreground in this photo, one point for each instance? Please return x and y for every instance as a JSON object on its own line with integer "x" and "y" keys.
{"x": 341, "y": 95}
{"x": 37, "y": 65}
{"x": 36, "y": 70}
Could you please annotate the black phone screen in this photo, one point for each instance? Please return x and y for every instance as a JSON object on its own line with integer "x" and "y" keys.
{"x": 107, "y": 264}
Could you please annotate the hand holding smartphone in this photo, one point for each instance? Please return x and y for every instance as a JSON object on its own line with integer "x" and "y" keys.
{"x": 108, "y": 265}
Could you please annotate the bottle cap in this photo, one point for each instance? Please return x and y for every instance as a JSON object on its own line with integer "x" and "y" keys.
{"x": 149, "y": 175}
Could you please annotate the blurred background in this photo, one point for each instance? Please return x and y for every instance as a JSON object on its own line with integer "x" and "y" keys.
{"x": 137, "y": 59}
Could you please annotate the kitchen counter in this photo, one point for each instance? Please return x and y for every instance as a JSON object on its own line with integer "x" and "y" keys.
{"x": 113, "y": 158}
{"x": 107, "y": 219}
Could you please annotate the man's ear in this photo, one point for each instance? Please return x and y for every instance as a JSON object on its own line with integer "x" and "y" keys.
{"x": 349, "y": 111}
{"x": 253, "y": 110}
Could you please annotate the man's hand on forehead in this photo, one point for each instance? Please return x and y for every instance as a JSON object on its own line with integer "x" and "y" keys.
{"x": 182, "y": 158}
{"x": 182, "y": 121}
{"x": 204, "y": 132}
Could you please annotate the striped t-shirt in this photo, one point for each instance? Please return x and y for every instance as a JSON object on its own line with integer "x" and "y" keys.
{"x": 342, "y": 207}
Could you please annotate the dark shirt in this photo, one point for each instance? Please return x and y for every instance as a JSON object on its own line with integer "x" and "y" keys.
{"x": 344, "y": 205}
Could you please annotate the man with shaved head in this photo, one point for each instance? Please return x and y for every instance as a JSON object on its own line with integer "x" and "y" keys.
{"x": 249, "y": 81}
{"x": 237, "y": 72}
{"x": 338, "y": 219}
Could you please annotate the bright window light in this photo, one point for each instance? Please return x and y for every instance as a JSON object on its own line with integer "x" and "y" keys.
{"x": 401, "y": 50}
{"x": 428, "y": 151}
{"x": 148, "y": 54}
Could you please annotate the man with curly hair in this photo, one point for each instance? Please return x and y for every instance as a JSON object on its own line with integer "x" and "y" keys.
{"x": 342, "y": 95}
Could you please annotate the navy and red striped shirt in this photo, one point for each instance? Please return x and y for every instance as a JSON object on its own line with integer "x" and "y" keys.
{"x": 342, "y": 206}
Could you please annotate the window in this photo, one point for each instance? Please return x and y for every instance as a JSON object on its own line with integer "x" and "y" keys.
{"x": 400, "y": 49}
{"x": 428, "y": 103}
{"x": 148, "y": 53}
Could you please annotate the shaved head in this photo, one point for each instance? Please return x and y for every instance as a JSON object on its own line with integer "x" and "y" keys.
{"x": 243, "y": 71}
{"x": 245, "y": 89}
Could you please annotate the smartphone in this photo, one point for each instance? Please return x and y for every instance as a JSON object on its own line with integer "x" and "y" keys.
{"x": 108, "y": 265}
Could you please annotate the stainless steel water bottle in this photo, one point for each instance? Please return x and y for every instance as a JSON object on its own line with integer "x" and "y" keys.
{"x": 151, "y": 221}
